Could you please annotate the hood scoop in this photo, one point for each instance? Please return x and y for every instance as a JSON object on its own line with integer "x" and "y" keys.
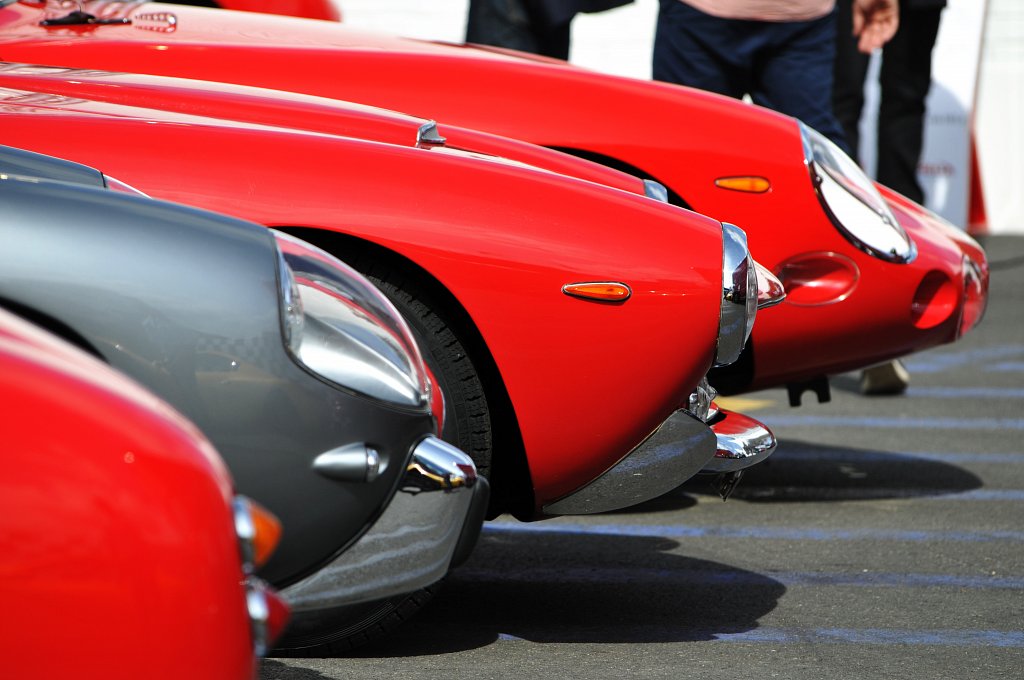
{"x": 428, "y": 135}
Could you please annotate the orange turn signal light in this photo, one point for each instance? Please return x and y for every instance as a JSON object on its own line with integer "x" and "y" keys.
{"x": 602, "y": 291}
{"x": 267, "y": 535}
{"x": 748, "y": 184}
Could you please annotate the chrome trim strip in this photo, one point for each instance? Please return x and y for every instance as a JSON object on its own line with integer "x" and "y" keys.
{"x": 742, "y": 442}
{"x": 410, "y": 546}
{"x": 673, "y": 453}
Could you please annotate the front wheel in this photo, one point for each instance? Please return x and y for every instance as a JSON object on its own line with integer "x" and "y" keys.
{"x": 467, "y": 422}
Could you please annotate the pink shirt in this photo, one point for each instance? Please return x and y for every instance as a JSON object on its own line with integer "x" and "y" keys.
{"x": 765, "y": 10}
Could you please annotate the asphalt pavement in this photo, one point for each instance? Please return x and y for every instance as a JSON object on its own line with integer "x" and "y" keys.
{"x": 882, "y": 540}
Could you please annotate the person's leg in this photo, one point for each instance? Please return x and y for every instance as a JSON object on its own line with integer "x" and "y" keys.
{"x": 850, "y": 72}
{"x": 793, "y": 73}
{"x": 699, "y": 50}
{"x": 553, "y": 41}
{"x": 501, "y": 23}
{"x": 906, "y": 78}
{"x": 890, "y": 378}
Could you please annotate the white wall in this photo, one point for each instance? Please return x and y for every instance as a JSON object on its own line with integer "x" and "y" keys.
{"x": 999, "y": 118}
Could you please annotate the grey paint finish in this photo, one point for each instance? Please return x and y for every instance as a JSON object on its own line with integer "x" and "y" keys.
{"x": 17, "y": 162}
{"x": 186, "y": 302}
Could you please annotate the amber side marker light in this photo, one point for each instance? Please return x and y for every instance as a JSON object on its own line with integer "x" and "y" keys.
{"x": 603, "y": 291}
{"x": 258, "y": 529}
{"x": 268, "y": 533}
{"x": 749, "y": 185}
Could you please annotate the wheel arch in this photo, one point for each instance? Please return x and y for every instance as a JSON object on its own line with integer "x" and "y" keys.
{"x": 510, "y": 465}
{"x": 51, "y": 324}
{"x": 617, "y": 164}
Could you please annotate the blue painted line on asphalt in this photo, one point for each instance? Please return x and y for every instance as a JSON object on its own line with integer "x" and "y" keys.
{"x": 1006, "y": 367}
{"x": 768, "y": 533}
{"x": 733, "y": 578}
{"x": 879, "y": 636}
{"x": 896, "y": 423}
{"x": 938, "y": 362}
{"x": 855, "y": 456}
{"x": 966, "y": 392}
{"x": 858, "y": 636}
{"x": 981, "y": 495}
{"x": 754, "y": 492}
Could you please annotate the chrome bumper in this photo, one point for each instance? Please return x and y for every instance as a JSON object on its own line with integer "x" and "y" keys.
{"x": 680, "y": 448}
{"x": 412, "y": 544}
{"x": 742, "y": 442}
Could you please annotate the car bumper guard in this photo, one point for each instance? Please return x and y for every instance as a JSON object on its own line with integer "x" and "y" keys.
{"x": 413, "y": 544}
{"x": 742, "y": 442}
{"x": 681, "y": 447}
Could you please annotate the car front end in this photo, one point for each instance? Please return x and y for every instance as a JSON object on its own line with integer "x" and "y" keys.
{"x": 301, "y": 372}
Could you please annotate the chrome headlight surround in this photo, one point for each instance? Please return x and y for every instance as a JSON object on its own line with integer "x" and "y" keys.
{"x": 852, "y": 202}
{"x": 739, "y": 295}
{"x": 339, "y": 327}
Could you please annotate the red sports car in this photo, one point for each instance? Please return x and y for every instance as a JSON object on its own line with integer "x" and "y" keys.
{"x": 125, "y": 552}
{"x": 870, "y": 276}
{"x": 568, "y": 321}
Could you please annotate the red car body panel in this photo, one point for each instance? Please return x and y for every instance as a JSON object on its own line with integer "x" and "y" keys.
{"x": 560, "y": 358}
{"x": 117, "y": 532}
{"x": 298, "y": 111}
{"x": 684, "y": 138}
{"x": 308, "y": 9}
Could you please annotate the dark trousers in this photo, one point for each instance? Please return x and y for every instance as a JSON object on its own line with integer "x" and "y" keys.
{"x": 905, "y": 79}
{"x": 782, "y": 65}
{"x": 517, "y": 25}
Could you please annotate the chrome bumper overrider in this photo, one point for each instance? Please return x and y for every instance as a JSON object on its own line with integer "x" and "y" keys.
{"x": 411, "y": 545}
{"x": 742, "y": 442}
{"x": 680, "y": 448}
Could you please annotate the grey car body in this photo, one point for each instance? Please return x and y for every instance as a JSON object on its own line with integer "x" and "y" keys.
{"x": 189, "y": 304}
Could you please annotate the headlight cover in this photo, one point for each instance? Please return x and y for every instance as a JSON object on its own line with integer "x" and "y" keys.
{"x": 852, "y": 202}
{"x": 342, "y": 329}
{"x": 739, "y": 295}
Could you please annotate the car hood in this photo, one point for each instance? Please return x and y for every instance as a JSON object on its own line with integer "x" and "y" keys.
{"x": 227, "y": 30}
{"x": 159, "y": 100}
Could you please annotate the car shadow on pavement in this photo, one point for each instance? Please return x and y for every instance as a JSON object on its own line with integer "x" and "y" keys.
{"x": 271, "y": 669}
{"x": 566, "y": 588}
{"x": 804, "y": 472}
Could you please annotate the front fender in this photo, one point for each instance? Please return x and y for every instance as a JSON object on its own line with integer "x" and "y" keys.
{"x": 588, "y": 380}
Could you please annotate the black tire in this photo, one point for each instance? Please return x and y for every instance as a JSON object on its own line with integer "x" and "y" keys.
{"x": 336, "y": 632}
{"x": 467, "y": 422}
